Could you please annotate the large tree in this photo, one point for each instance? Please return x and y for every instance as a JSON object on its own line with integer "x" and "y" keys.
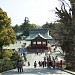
{"x": 16, "y": 28}
{"x": 67, "y": 31}
{"x": 26, "y": 26}
{"x": 7, "y": 34}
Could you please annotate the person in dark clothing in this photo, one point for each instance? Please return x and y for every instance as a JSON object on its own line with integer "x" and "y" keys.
{"x": 50, "y": 63}
{"x": 39, "y": 63}
{"x": 20, "y": 66}
{"x": 53, "y": 63}
{"x": 17, "y": 63}
{"x": 35, "y": 64}
{"x": 61, "y": 63}
{"x": 28, "y": 63}
{"x": 43, "y": 64}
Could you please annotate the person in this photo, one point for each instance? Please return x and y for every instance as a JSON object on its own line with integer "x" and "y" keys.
{"x": 37, "y": 52}
{"x": 28, "y": 63}
{"x": 44, "y": 58}
{"x": 53, "y": 63}
{"x": 43, "y": 64}
{"x": 20, "y": 66}
{"x": 39, "y": 63}
{"x": 35, "y": 64}
{"x": 61, "y": 63}
{"x": 50, "y": 64}
{"x": 41, "y": 52}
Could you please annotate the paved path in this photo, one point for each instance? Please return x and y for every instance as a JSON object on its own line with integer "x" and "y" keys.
{"x": 36, "y": 71}
{"x": 30, "y": 70}
{"x": 34, "y": 57}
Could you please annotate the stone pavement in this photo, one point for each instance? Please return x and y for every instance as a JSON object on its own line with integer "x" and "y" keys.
{"x": 30, "y": 70}
{"x": 32, "y": 57}
{"x": 36, "y": 71}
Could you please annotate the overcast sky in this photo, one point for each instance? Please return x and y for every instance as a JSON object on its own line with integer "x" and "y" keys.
{"x": 38, "y": 11}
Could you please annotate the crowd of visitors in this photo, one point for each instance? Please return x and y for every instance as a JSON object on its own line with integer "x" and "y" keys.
{"x": 48, "y": 62}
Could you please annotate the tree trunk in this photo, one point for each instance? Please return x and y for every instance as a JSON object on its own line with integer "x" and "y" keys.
{"x": 1, "y": 48}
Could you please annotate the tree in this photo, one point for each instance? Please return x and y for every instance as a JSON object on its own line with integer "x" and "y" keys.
{"x": 33, "y": 26}
{"x": 7, "y": 34}
{"x": 46, "y": 25}
{"x": 7, "y": 54}
{"x": 15, "y": 56}
{"x": 4, "y": 20}
{"x": 67, "y": 31}
{"x": 30, "y": 26}
{"x": 25, "y": 25}
{"x": 51, "y": 27}
{"x": 16, "y": 28}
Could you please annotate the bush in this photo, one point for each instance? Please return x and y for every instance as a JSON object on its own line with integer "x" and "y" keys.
{"x": 7, "y": 65}
{"x": 15, "y": 56}
{"x": 6, "y": 58}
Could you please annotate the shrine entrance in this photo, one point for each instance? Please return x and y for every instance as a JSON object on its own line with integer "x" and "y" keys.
{"x": 39, "y": 41}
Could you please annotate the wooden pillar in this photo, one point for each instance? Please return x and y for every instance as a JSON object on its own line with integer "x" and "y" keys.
{"x": 41, "y": 42}
{"x": 31, "y": 43}
{"x": 46, "y": 42}
{"x": 36, "y": 42}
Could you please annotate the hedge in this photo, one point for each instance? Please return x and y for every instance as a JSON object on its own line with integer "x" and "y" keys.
{"x": 7, "y": 65}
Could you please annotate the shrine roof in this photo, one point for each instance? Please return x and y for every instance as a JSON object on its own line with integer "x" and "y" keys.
{"x": 43, "y": 33}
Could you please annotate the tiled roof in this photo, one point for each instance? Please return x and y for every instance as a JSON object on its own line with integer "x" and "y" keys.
{"x": 43, "y": 33}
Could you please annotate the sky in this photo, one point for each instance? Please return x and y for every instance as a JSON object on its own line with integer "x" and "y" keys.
{"x": 38, "y": 11}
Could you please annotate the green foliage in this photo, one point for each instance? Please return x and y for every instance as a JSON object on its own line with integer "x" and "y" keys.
{"x": 66, "y": 29}
{"x": 46, "y": 25}
{"x": 7, "y": 54}
{"x": 64, "y": 16}
{"x": 8, "y": 60}
{"x": 29, "y": 27}
{"x": 18, "y": 37}
{"x": 51, "y": 27}
{"x": 7, "y": 34}
{"x": 26, "y": 32}
{"x": 66, "y": 32}
{"x": 7, "y": 37}
{"x": 7, "y": 65}
{"x": 25, "y": 25}
{"x": 15, "y": 56}
{"x": 33, "y": 26}
{"x": 4, "y": 20}
{"x": 24, "y": 28}
{"x": 16, "y": 28}
{"x": 10, "y": 55}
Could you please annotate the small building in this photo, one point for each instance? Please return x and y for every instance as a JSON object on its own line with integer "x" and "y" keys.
{"x": 39, "y": 40}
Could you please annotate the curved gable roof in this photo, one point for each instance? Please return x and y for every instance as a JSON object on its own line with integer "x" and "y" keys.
{"x": 44, "y": 33}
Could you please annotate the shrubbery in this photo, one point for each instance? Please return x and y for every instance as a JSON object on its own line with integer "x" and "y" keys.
{"x": 7, "y": 65}
{"x": 8, "y": 61}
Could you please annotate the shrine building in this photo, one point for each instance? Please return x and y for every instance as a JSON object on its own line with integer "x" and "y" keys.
{"x": 39, "y": 39}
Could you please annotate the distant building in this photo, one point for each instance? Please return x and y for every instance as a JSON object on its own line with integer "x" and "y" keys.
{"x": 39, "y": 40}
{"x": 19, "y": 33}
